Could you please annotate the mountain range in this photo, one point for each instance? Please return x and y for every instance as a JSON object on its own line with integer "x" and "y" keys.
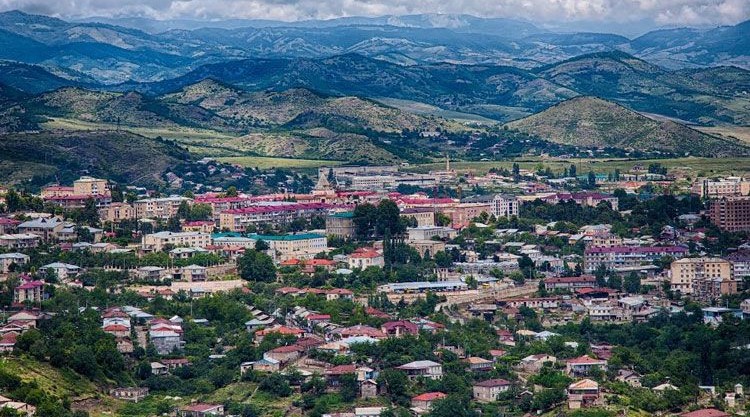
{"x": 110, "y": 53}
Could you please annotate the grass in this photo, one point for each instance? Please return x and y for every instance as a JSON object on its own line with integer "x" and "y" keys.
{"x": 198, "y": 141}
{"x": 54, "y": 381}
{"x": 265, "y": 162}
{"x": 741, "y": 133}
{"x": 692, "y": 166}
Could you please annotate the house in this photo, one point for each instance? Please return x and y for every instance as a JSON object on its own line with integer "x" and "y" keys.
{"x": 364, "y": 258}
{"x": 629, "y": 377}
{"x": 191, "y": 273}
{"x": 399, "y": 328}
{"x": 284, "y": 354}
{"x": 583, "y": 393}
{"x": 477, "y": 364}
{"x": 584, "y": 365}
{"x": 158, "y": 368}
{"x": 534, "y": 363}
{"x": 425, "y": 401}
{"x": 368, "y": 411}
{"x": 487, "y": 391}
{"x": 133, "y": 394}
{"x": 10, "y": 262}
{"x": 26, "y": 318}
{"x": 333, "y": 375}
{"x": 368, "y": 388}
{"x": 266, "y": 365}
{"x": 46, "y": 228}
{"x": 422, "y": 369}
{"x": 61, "y": 270}
{"x": 201, "y": 410}
{"x": 339, "y": 293}
{"x": 20, "y": 408}
{"x": 29, "y": 291}
{"x": 19, "y": 241}
{"x": 8, "y": 342}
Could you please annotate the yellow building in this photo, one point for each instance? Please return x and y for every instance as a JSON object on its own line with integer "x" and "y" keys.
{"x": 91, "y": 186}
{"x": 702, "y": 277}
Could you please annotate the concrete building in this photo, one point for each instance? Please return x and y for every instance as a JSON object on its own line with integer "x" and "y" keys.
{"x": 46, "y": 228}
{"x": 726, "y": 187}
{"x": 14, "y": 260}
{"x": 19, "y": 241}
{"x": 703, "y": 278}
{"x": 489, "y": 390}
{"x": 297, "y": 246}
{"x": 159, "y": 208}
{"x": 423, "y": 216}
{"x": 619, "y": 257}
{"x": 238, "y": 220}
{"x": 364, "y": 258}
{"x": 504, "y": 205}
{"x": 731, "y": 214}
{"x": 430, "y": 232}
{"x": 30, "y": 291}
{"x": 422, "y": 369}
{"x": 117, "y": 212}
{"x": 156, "y": 242}
{"x": 340, "y": 224}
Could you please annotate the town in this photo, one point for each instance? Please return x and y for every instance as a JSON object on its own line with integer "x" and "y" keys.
{"x": 369, "y": 291}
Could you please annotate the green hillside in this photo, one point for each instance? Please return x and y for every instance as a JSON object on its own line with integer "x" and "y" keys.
{"x": 593, "y": 122}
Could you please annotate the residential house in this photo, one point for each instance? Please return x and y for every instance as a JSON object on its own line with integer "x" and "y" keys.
{"x": 488, "y": 391}
{"x": 422, "y": 369}
{"x": 201, "y": 410}
{"x": 584, "y": 365}
{"x": 425, "y": 401}
{"x": 583, "y": 393}
{"x": 12, "y": 261}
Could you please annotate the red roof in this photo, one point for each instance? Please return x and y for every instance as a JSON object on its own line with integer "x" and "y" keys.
{"x": 585, "y": 360}
{"x": 570, "y": 280}
{"x": 376, "y": 313}
{"x": 318, "y": 317}
{"x": 340, "y": 291}
{"x": 30, "y": 285}
{"x": 281, "y": 330}
{"x": 497, "y": 352}
{"x": 341, "y": 370}
{"x": 286, "y": 349}
{"x": 201, "y": 408}
{"x": 116, "y": 328}
{"x": 408, "y": 326}
{"x": 9, "y": 339}
{"x": 706, "y": 412}
{"x": 429, "y": 396}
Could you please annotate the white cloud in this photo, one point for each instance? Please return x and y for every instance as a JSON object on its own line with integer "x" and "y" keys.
{"x": 663, "y": 12}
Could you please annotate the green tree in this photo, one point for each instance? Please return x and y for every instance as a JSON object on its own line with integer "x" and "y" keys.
{"x": 256, "y": 266}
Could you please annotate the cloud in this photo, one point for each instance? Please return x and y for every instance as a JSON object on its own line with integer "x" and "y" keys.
{"x": 662, "y": 12}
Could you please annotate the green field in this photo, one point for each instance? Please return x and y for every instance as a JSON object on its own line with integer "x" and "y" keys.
{"x": 691, "y": 166}
{"x": 201, "y": 142}
{"x": 265, "y": 162}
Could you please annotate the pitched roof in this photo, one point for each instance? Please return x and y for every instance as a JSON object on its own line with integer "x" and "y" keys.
{"x": 497, "y": 382}
{"x": 429, "y": 396}
{"x": 705, "y": 412}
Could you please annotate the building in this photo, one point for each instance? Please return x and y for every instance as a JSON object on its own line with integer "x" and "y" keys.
{"x": 425, "y": 247}
{"x": 706, "y": 412}
{"x": 29, "y": 292}
{"x": 46, "y": 228}
{"x": 430, "y": 232}
{"x": 156, "y": 242}
{"x": 422, "y": 369}
{"x": 727, "y": 187}
{"x": 159, "y": 208}
{"x": 489, "y": 390}
{"x": 703, "y": 278}
{"x": 587, "y": 199}
{"x": 731, "y": 214}
{"x": 12, "y": 261}
{"x": 133, "y": 394}
{"x": 19, "y": 241}
{"x": 238, "y": 220}
{"x": 504, "y": 205}
{"x": 297, "y": 246}
{"x": 61, "y": 270}
{"x": 424, "y": 216}
{"x": 201, "y": 410}
{"x": 583, "y": 393}
{"x": 570, "y": 283}
{"x": 621, "y": 257}
{"x": 425, "y": 401}
{"x": 90, "y": 186}
{"x": 477, "y": 364}
{"x": 740, "y": 263}
{"x": 584, "y": 365}
{"x": 364, "y": 258}
{"x": 117, "y": 212}
{"x": 340, "y": 224}
{"x": 191, "y": 273}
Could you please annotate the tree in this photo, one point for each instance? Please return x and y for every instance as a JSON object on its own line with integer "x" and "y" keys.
{"x": 13, "y": 201}
{"x": 572, "y": 171}
{"x": 442, "y": 259}
{"x": 261, "y": 245}
{"x": 395, "y": 383}
{"x": 364, "y": 220}
{"x": 349, "y": 387}
{"x": 275, "y": 384}
{"x": 256, "y": 266}
{"x": 388, "y": 219}
{"x": 232, "y": 191}
{"x": 592, "y": 179}
{"x": 632, "y": 283}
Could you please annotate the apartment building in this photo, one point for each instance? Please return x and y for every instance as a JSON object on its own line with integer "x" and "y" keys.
{"x": 238, "y": 220}
{"x": 117, "y": 212}
{"x": 504, "y": 205}
{"x": 726, "y": 187}
{"x": 619, "y": 257}
{"x": 159, "y": 208}
{"x": 156, "y": 242}
{"x": 340, "y": 224}
{"x": 702, "y": 278}
{"x": 423, "y": 216}
{"x": 297, "y": 246}
{"x": 731, "y": 214}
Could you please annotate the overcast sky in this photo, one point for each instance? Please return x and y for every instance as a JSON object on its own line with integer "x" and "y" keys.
{"x": 661, "y": 12}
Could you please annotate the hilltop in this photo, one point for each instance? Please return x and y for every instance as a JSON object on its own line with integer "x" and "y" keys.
{"x": 593, "y": 122}
{"x": 42, "y": 156}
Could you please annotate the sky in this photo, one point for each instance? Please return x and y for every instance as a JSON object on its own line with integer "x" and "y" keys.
{"x": 658, "y": 12}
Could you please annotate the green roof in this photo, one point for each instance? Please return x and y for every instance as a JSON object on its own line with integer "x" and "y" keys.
{"x": 300, "y": 236}
{"x": 343, "y": 214}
